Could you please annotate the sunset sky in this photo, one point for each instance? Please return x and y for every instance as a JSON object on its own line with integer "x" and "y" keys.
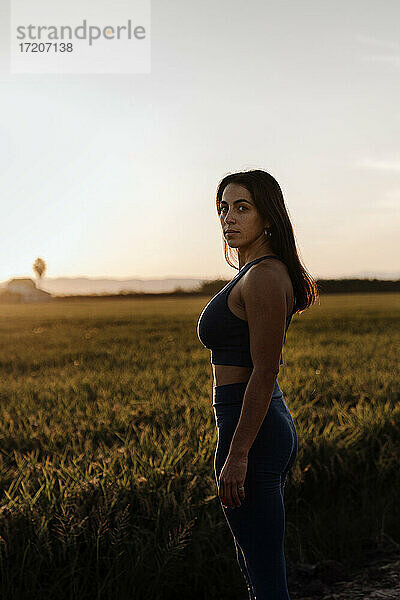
{"x": 109, "y": 175}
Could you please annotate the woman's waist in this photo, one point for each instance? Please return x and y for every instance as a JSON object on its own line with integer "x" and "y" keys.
{"x": 227, "y": 374}
{"x": 233, "y": 393}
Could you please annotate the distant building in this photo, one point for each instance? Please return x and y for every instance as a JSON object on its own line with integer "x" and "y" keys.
{"x": 22, "y": 290}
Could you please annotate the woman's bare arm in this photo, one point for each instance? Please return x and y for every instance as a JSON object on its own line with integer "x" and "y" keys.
{"x": 264, "y": 296}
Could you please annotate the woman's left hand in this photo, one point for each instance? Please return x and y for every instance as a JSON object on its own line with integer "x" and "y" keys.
{"x": 231, "y": 478}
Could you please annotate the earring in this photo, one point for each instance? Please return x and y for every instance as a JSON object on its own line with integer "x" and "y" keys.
{"x": 268, "y": 232}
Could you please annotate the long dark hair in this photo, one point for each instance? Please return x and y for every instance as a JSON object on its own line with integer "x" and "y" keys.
{"x": 268, "y": 198}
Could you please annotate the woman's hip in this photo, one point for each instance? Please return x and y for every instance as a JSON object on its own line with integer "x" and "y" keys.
{"x": 276, "y": 439}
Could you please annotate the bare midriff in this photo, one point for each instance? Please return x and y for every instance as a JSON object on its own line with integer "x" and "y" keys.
{"x": 225, "y": 374}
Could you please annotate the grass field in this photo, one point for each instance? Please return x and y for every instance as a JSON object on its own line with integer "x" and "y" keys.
{"x": 107, "y": 437}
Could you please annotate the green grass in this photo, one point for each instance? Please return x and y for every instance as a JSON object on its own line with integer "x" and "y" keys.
{"x": 107, "y": 437}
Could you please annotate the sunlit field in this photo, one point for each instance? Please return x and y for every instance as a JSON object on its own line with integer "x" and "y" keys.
{"x": 107, "y": 439}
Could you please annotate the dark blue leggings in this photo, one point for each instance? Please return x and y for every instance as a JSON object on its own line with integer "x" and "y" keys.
{"x": 258, "y": 524}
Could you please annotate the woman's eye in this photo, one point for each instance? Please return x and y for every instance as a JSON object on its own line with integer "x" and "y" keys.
{"x": 224, "y": 207}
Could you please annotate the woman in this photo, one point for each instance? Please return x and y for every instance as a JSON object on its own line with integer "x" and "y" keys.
{"x": 244, "y": 326}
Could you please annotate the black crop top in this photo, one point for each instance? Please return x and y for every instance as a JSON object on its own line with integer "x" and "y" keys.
{"x": 225, "y": 334}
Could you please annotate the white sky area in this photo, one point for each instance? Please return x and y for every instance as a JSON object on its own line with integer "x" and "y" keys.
{"x": 108, "y": 175}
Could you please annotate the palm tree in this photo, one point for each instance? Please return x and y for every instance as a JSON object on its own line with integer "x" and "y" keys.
{"x": 39, "y": 267}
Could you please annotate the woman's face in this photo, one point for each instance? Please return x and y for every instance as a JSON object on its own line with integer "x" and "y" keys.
{"x": 239, "y": 213}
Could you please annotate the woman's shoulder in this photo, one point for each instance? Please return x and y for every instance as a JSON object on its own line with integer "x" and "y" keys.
{"x": 269, "y": 278}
